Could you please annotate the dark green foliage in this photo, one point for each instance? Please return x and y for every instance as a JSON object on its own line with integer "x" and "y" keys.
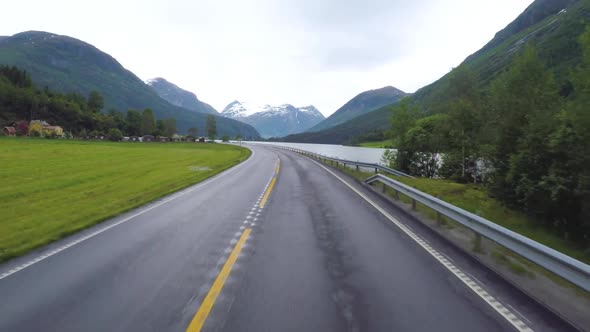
{"x": 20, "y": 101}
{"x": 133, "y": 121}
{"x": 419, "y": 141}
{"x": 211, "y": 127}
{"x": 15, "y": 76}
{"x": 193, "y": 131}
{"x": 148, "y": 122}
{"x": 225, "y": 138}
{"x": 115, "y": 134}
{"x": 536, "y": 140}
{"x": 170, "y": 127}
{"x": 95, "y": 101}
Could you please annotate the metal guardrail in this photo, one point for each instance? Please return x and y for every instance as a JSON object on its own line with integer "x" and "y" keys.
{"x": 570, "y": 269}
{"x": 376, "y": 167}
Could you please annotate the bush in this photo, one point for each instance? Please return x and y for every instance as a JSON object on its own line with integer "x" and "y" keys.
{"x": 225, "y": 138}
{"x": 115, "y": 135}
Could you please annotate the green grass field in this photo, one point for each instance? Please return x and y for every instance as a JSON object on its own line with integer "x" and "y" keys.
{"x": 53, "y": 188}
{"x": 473, "y": 198}
{"x": 386, "y": 144}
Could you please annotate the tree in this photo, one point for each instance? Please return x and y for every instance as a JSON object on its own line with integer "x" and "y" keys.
{"x": 170, "y": 127}
{"x": 211, "y": 127}
{"x": 523, "y": 104}
{"x": 402, "y": 120}
{"x": 192, "y": 131}
{"x": 225, "y": 138}
{"x": 426, "y": 139}
{"x": 95, "y": 101}
{"x": 160, "y": 128}
{"x": 462, "y": 151}
{"x": 115, "y": 134}
{"x": 148, "y": 122}
{"x": 118, "y": 119}
{"x": 133, "y": 120}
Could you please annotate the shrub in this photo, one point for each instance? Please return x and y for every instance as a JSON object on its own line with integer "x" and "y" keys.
{"x": 115, "y": 135}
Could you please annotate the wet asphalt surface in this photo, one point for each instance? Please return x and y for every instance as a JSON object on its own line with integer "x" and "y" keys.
{"x": 319, "y": 258}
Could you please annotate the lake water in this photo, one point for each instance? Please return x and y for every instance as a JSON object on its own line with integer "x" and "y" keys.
{"x": 353, "y": 153}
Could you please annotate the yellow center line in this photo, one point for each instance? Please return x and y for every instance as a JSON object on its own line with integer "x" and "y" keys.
{"x": 199, "y": 320}
{"x": 267, "y": 193}
{"x": 270, "y": 186}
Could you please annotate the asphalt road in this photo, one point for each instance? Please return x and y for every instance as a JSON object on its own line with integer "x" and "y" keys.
{"x": 257, "y": 248}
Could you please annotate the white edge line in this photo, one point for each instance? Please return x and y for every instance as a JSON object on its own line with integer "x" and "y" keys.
{"x": 44, "y": 256}
{"x": 491, "y": 301}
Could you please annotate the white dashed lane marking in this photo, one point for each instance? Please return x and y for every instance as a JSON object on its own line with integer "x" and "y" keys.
{"x": 490, "y": 300}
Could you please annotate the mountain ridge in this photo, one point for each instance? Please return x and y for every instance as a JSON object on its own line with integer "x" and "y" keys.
{"x": 177, "y": 96}
{"x": 69, "y": 65}
{"x": 363, "y": 103}
{"x": 274, "y": 121}
{"x": 545, "y": 24}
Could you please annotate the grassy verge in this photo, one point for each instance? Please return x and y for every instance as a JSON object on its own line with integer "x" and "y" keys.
{"x": 386, "y": 144}
{"x": 53, "y": 188}
{"x": 473, "y": 198}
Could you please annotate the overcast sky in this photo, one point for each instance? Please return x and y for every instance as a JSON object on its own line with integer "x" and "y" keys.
{"x": 302, "y": 52}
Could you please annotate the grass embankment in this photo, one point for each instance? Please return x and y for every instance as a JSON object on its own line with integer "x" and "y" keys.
{"x": 386, "y": 144}
{"x": 52, "y": 188}
{"x": 473, "y": 198}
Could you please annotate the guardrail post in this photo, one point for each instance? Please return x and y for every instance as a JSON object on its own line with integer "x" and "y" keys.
{"x": 375, "y": 170}
{"x": 438, "y": 219}
{"x": 343, "y": 165}
{"x": 477, "y": 243}
{"x": 357, "y": 168}
{"x": 413, "y": 204}
{"x": 383, "y": 188}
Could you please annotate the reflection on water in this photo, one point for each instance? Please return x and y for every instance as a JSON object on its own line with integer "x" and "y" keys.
{"x": 367, "y": 155}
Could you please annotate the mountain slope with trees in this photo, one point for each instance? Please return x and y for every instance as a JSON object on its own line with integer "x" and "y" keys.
{"x": 363, "y": 103}
{"x": 552, "y": 26}
{"x": 68, "y": 65}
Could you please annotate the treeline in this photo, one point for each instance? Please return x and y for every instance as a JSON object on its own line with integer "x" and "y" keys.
{"x": 525, "y": 138}
{"x": 21, "y": 100}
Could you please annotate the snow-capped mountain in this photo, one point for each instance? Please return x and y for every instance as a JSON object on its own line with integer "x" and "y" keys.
{"x": 274, "y": 121}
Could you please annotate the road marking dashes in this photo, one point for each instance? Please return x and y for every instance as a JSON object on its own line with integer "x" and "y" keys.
{"x": 467, "y": 281}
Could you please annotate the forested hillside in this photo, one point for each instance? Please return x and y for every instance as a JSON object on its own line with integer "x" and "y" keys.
{"x": 525, "y": 138}
{"x": 21, "y": 101}
{"x": 551, "y": 26}
{"x": 68, "y": 65}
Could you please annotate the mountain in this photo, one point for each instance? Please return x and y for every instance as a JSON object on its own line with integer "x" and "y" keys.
{"x": 551, "y": 26}
{"x": 179, "y": 97}
{"x": 371, "y": 124}
{"x": 69, "y": 65}
{"x": 361, "y": 104}
{"x": 274, "y": 121}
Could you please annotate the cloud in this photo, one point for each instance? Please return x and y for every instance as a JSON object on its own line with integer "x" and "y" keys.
{"x": 320, "y": 52}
